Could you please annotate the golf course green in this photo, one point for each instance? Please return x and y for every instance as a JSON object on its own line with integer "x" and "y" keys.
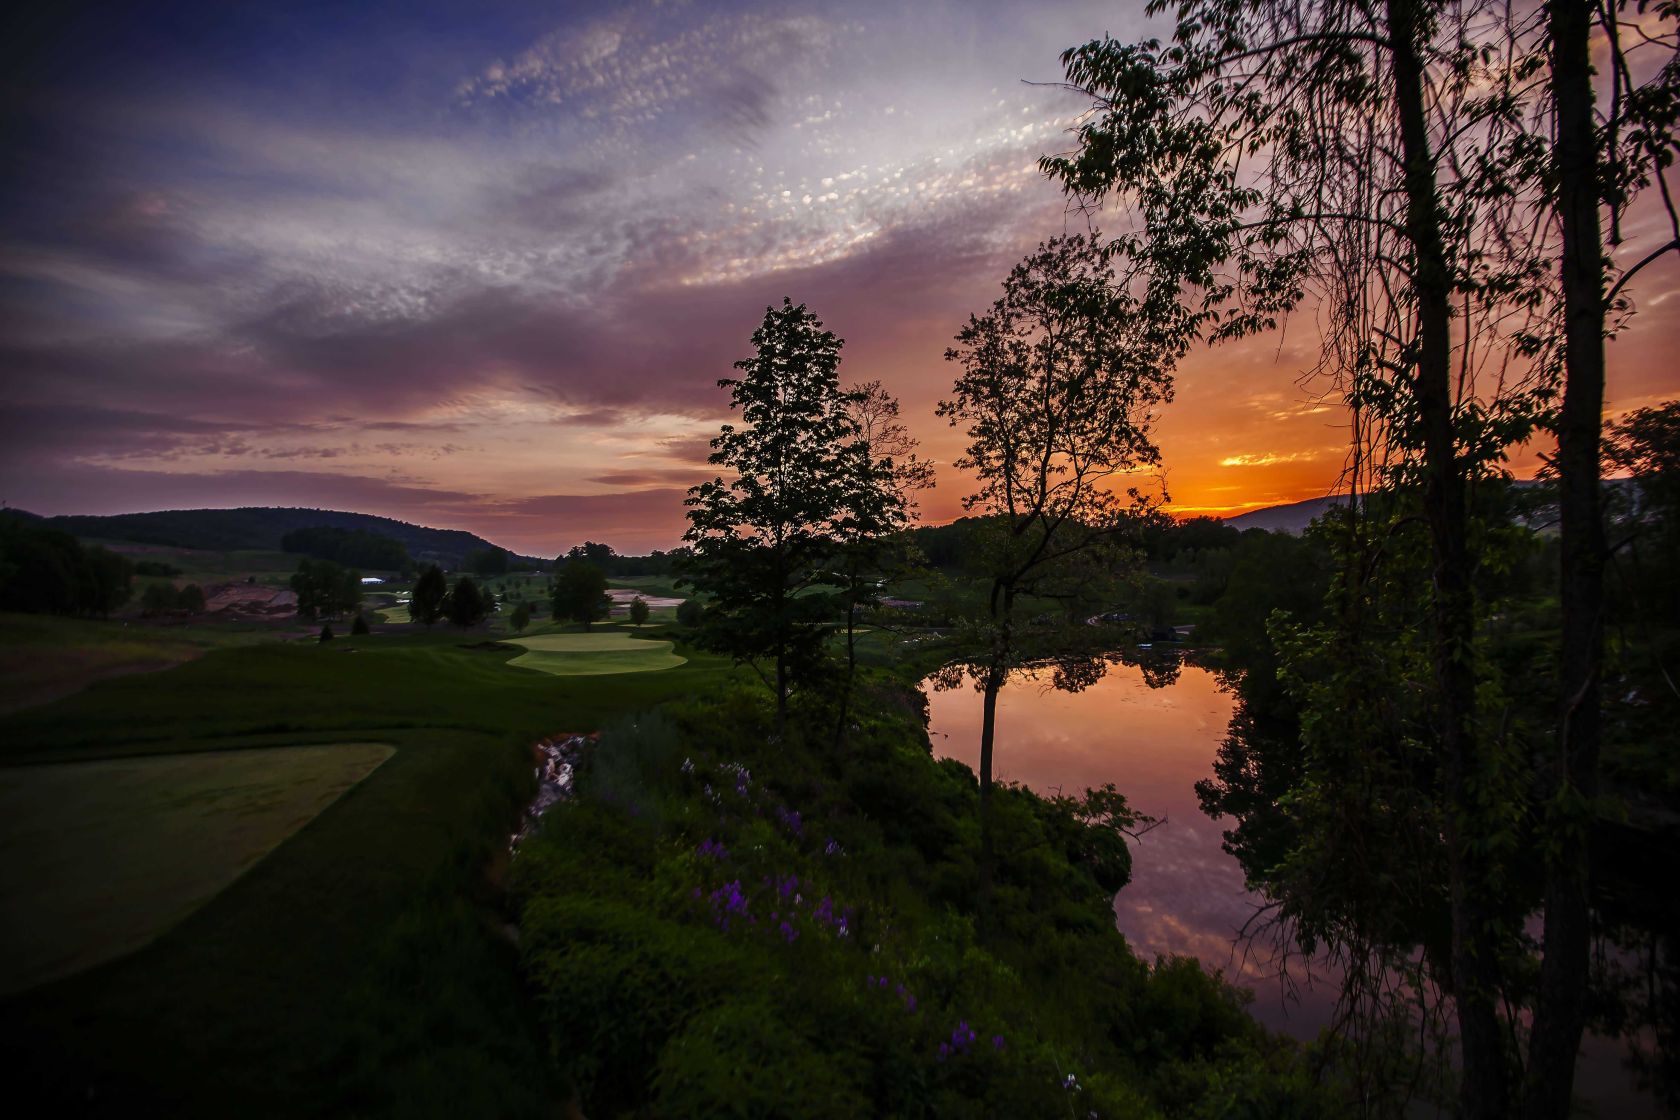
{"x": 590, "y": 655}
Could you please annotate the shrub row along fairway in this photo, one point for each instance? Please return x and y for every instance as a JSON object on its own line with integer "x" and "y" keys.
{"x": 106, "y": 855}
{"x": 590, "y": 655}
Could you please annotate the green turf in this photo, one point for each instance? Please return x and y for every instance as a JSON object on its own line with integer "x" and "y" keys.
{"x": 356, "y": 969}
{"x": 44, "y": 657}
{"x": 97, "y": 858}
{"x": 595, "y": 654}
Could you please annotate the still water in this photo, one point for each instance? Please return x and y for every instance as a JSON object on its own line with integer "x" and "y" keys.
{"x": 1187, "y": 894}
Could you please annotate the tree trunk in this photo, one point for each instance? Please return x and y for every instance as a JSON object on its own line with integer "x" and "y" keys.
{"x": 851, "y": 675}
{"x": 988, "y": 734}
{"x": 1483, "y": 1091}
{"x": 1572, "y": 781}
{"x": 781, "y": 693}
{"x": 997, "y": 672}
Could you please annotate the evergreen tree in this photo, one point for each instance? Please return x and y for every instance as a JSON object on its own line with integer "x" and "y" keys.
{"x": 760, "y": 541}
{"x": 521, "y": 617}
{"x": 467, "y": 604}
{"x": 638, "y": 611}
{"x": 426, "y": 601}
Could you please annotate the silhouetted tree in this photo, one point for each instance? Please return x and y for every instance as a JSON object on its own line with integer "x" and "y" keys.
{"x": 580, "y": 593}
{"x": 325, "y": 588}
{"x": 882, "y": 477}
{"x": 760, "y": 540}
{"x": 638, "y": 611}
{"x": 690, "y": 613}
{"x": 426, "y": 601}
{"x": 468, "y": 604}
{"x": 521, "y": 617}
{"x": 1059, "y": 383}
{"x": 360, "y": 625}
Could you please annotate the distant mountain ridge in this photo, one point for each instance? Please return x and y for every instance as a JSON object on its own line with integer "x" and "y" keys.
{"x": 261, "y": 527}
{"x": 1292, "y": 518}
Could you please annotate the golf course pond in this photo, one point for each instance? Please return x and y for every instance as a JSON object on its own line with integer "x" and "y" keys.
{"x": 1187, "y": 895}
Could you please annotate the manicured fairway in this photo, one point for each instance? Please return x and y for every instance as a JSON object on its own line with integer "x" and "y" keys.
{"x": 588, "y": 655}
{"x": 98, "y": 858}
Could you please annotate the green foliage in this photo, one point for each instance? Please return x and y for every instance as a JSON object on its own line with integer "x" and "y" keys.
{"x": 580, "y": 593}
{"x": 428, "y": 599}
{"x": 374, "y": 974}
{"x": 325, "y": 588}
{"x": 707, "y": 926}
{"x": 354, "y": 548}
{"x": 760, "y": 539}
{"x": 690, "y": 613}
{"x": 638, "y": 611}
{"x": 45, "y": 571}
{"x": 155, "y": 568}
{"x": 468, "y": 604}
{"x": 521, "y": 617}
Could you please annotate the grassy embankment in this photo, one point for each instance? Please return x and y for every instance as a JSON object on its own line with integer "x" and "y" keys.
{"x": 730, "y": 922}
{"x": 356, "y": 968}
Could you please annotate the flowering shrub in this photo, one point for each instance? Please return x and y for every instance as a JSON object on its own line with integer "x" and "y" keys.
{"x": 719, "y": 926}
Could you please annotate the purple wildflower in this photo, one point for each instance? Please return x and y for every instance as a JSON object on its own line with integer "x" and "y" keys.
{"x": 789, "y": 932}
{"x": 997, "y": 1042}
{"x": 833, "y": 848}
{"x": 728, "y": 900}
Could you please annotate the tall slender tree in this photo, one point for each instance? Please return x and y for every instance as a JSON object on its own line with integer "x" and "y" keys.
{"x": 762, "y": 538}
{"x": 1276, "y": 150}
{"x": 1059, "y": 384}
{"x": 1383, "y": 161}
{"x": 1635, "y": 142}
{"x": 883, "y": 476}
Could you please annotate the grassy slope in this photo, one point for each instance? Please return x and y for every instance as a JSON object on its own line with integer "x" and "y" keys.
{"x": 43, "y": 657}
{"x": 352, "y": 969}
{"x": 149, "y": 841}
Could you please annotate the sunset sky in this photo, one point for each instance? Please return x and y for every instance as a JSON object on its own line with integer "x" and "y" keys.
{"x": 481, "y": 265}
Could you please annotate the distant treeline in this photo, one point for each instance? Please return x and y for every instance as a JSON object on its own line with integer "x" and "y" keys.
{"x": 354, "y": 548}
{"x": 45, "y": 571}
{"x": 655, "y": 563}
{"x": 955, "y": 547}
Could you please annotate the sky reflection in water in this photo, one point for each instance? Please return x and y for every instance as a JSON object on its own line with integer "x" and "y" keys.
{"x": 1187, "y": 894}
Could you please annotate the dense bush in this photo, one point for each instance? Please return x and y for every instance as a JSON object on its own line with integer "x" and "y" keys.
{"x": 325, "y": 588}
{"x": 719, "y": 924}
{"x": 45, "y": 571}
